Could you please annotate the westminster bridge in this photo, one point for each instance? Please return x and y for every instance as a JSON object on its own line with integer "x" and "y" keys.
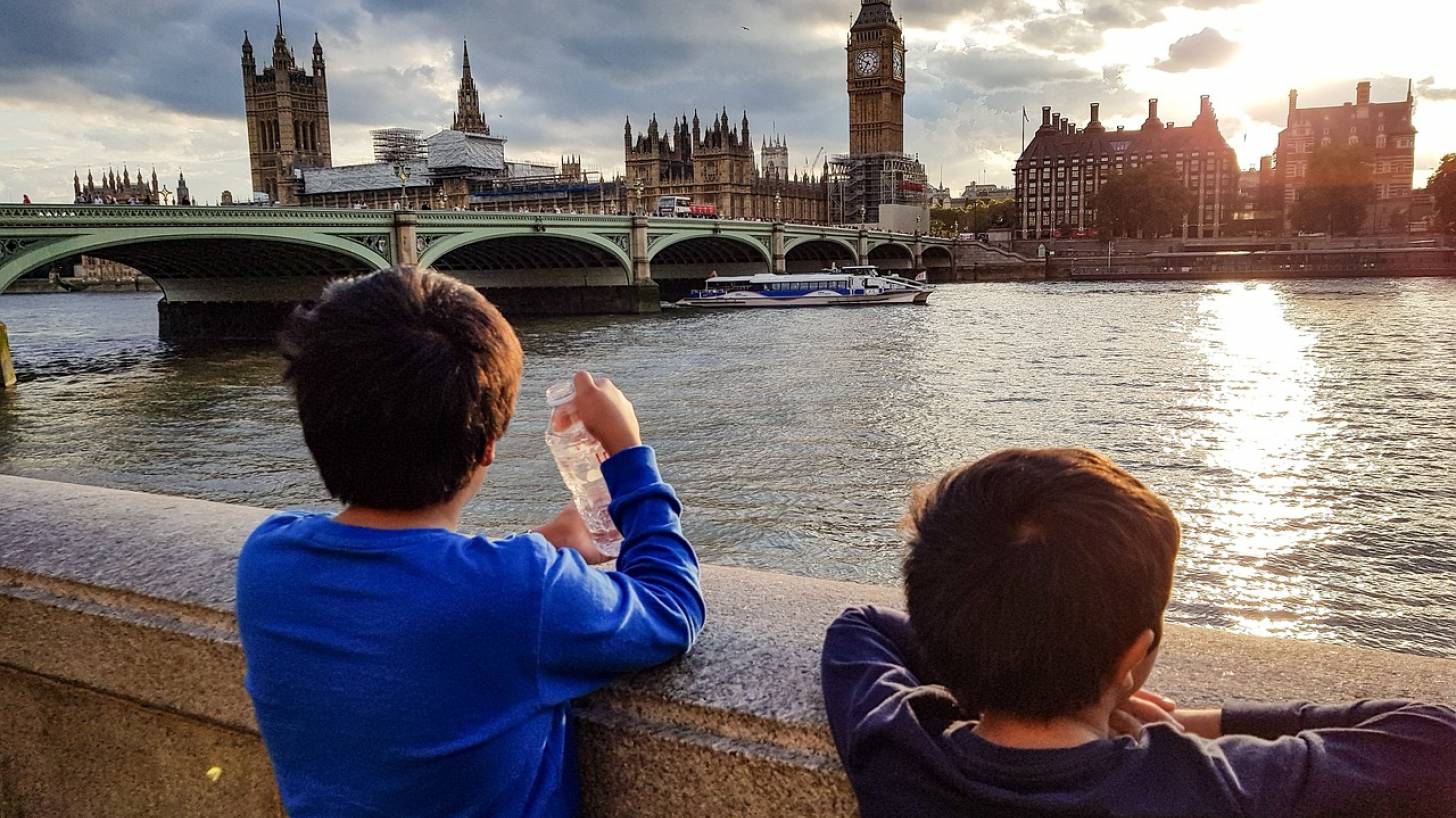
{"x": 234, "y": 272}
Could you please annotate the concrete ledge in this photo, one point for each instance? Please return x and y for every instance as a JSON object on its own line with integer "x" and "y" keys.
{"x": 120, "y": 676}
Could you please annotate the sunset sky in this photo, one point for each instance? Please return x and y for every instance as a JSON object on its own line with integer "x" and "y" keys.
{"x": 157, "y": 82}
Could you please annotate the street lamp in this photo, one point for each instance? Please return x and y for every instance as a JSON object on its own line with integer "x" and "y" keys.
{"x": 778, "y": 207}
{"x": 402, "y": 171}
{"x": 166, "y": 195}
{"x": 637, "y": 187}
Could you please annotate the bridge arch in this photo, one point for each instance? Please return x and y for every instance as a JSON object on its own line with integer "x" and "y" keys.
{"x": 680, "y": 263}
{"x": 937, "y": 257}
{"x": 892, "y": 255}
{"x": 210, "y": 265}
{"x": 810, "y": 254}
{"x": 530, "y": 259}
{"x": 453, "y": 250}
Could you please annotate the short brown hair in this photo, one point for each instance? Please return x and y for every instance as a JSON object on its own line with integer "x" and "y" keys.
{"x": 402, "y": 377}
{"x": 1030, "y": 572}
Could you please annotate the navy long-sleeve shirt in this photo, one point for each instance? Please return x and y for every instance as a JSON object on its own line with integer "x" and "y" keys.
{"x": 427, "y": 673}
{"x": 909, "y": 751}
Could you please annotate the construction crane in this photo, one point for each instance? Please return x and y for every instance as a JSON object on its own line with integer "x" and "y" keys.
{"x": 814, "y": 163}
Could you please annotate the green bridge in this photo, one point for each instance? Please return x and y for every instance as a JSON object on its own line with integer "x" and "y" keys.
{"x": 234, "y": 272}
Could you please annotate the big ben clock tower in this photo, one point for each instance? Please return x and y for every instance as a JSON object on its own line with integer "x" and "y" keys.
{"x": 876, "y": 62}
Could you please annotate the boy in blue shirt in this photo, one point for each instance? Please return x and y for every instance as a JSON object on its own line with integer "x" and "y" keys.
{"x": 396, "y": 667}
{"x": 1036, "y": 582}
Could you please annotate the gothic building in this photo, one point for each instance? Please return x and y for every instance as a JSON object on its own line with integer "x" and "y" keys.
{"x": 287, "y": 117}
{"x": 113, "y": 189}
{"x": 877, "y": 182}
{"x": 1061, "y": 171}
{"x": 775, "y": 153}
{"x": 714, "y": 166}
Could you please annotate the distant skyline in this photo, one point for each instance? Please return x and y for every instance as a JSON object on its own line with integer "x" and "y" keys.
{"x": 159, "y": 83}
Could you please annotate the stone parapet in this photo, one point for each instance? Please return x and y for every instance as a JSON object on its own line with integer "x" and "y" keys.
{"x": 120, "y": 676}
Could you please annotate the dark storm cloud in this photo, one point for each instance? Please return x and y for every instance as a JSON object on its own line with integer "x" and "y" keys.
{"x": 179, "y": 55}
{"x": 1206, "y": 49}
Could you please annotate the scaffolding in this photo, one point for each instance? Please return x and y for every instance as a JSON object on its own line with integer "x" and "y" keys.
{"x": 398, "y": 146}
{"x": 860, "y": 185}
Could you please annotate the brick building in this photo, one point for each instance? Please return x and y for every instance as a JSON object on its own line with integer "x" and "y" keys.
{"x": 1383, "y": 129}
{"x": 1061, "y": 170}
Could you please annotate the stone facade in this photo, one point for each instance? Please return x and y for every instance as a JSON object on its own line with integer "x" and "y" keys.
{"x": 715, "y": 166}
{"x": 1061, "y": 171}
{"x": 1383, "y": 129}
{"x": 287, "y": 117}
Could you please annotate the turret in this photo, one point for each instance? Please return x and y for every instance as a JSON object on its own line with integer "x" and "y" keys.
{"x": 746, "y": 140}
{"x": 155, "y": 187}
{"x": 627, "y": 135}
{"x": 76, "y": 180}
{"x": 248, "y": 63}
{"x": 318, "y": 57}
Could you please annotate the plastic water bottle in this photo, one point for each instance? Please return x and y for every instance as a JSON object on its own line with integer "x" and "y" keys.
{"x": 579, "y": 459}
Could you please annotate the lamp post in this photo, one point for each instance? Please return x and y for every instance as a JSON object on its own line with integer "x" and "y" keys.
{"x": 402, "y": 171}
{"x": 778, "y": 207}
{"x": 637, "y": 187}
{"x": 166, "y": 195}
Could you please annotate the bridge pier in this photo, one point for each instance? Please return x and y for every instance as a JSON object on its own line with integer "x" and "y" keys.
{"x": 862, "y": 247}
{"x": 637, "y": 241}
{"x": 406, "y": 253}
{"x": 7, "y": 367}
{"x": 776, "y": 243}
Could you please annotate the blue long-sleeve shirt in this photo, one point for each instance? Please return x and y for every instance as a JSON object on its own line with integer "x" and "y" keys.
{"x": 909, "y": 752}
{"x": 427, "y": 673}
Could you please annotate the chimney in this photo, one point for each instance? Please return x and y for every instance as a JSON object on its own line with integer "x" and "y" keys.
{"x": 1293, "y": 103}
{"x": 1362, "y": 93}
{"x": 1046, "y": 115}
{"x": 1266, "y": 163}
{"x": 1057, "y": 122}
{"x": 1153, "y": 108}
{"x": 1205, "y": 107}
{"x": 1094, "y": 120}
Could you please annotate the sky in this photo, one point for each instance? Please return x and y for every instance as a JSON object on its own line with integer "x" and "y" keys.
{"x": 158, "y": 82}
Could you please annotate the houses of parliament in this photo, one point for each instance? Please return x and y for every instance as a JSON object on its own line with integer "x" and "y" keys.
{"x": 465, "y": 167}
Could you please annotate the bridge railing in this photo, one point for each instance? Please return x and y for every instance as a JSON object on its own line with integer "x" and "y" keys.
{"x": 126, "y": 215}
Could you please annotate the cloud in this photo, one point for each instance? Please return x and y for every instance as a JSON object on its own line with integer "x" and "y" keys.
{"x": 1206, "y": 49}
{"x": 1427, "y": 89}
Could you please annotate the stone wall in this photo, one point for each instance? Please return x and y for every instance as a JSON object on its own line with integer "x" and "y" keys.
{"x": 120, "y": 677}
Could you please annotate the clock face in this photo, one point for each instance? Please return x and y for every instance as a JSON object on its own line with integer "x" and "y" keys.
{"x": 899, "y": 65}
{"x": 867, "y": 62}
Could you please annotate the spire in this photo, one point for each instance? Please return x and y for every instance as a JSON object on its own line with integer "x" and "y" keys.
{"x": 468, "y": 117}
{"x": 247, "y": 44}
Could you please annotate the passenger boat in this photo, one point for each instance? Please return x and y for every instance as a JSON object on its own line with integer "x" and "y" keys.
{"x": 841, "y": 287}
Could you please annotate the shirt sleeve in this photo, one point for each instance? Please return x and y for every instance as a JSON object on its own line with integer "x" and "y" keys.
{"x": 865, "y": 664}
{"x": 1366, "y": 758}
{"x": 596, "y": 625}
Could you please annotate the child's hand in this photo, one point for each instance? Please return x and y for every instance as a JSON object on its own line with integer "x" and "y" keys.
{"x": 606, "y": 413}
{"x": 568, "y": 530}
{"x": 1142, "y": 708}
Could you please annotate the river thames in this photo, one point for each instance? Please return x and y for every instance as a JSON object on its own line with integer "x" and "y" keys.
{"x": 1304, "y": 431}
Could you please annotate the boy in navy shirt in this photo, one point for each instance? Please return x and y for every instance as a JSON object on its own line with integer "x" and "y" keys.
{"x": 398, "y": 668}
{"x": 1036, "y": 582}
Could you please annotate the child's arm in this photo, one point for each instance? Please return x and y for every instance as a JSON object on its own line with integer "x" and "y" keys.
{"x": 866, "y": 662}
{"x": 1365, "y": 758}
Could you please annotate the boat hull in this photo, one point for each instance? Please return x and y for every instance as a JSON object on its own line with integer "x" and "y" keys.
{"x": 754, "y": 300}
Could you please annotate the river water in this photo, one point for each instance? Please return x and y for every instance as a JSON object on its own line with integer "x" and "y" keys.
{"x": 1304, "y": 431}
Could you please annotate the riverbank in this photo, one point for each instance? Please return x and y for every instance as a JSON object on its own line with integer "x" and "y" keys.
{"x": 121, "y": 677}
{"x": 42, "y": 286}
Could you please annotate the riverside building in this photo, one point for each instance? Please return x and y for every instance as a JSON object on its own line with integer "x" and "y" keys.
{"x": 1062, "y": 169}
{"x": 1383, "y": 129}
{"x": 287, "y": 114}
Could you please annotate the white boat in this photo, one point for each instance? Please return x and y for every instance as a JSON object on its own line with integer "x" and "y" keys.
{"x": 841, "y": 287}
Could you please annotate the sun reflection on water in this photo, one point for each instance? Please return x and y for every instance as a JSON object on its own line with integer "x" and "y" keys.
{"x": 1258, "y": 528}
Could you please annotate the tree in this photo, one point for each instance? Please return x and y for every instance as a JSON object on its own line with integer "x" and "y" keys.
{"x": 1148, "y": 201}
{"x": 1338, "y": 192}
{"x": 1442, "y": 188}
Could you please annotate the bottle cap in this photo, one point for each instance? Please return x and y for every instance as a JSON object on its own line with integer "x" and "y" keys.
{"x": 561, "y": 393}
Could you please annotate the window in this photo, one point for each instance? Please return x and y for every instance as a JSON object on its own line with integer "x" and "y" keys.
{"x": 1354, "y": 140}
{"x": 1380, "y": 141}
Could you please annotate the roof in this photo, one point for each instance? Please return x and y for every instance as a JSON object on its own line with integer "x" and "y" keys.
{"x": 357, "y": 178}
{"x": 1050, "y": 143}
{"x": 518, "y": 170}
{"x": 457, "y": 149}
